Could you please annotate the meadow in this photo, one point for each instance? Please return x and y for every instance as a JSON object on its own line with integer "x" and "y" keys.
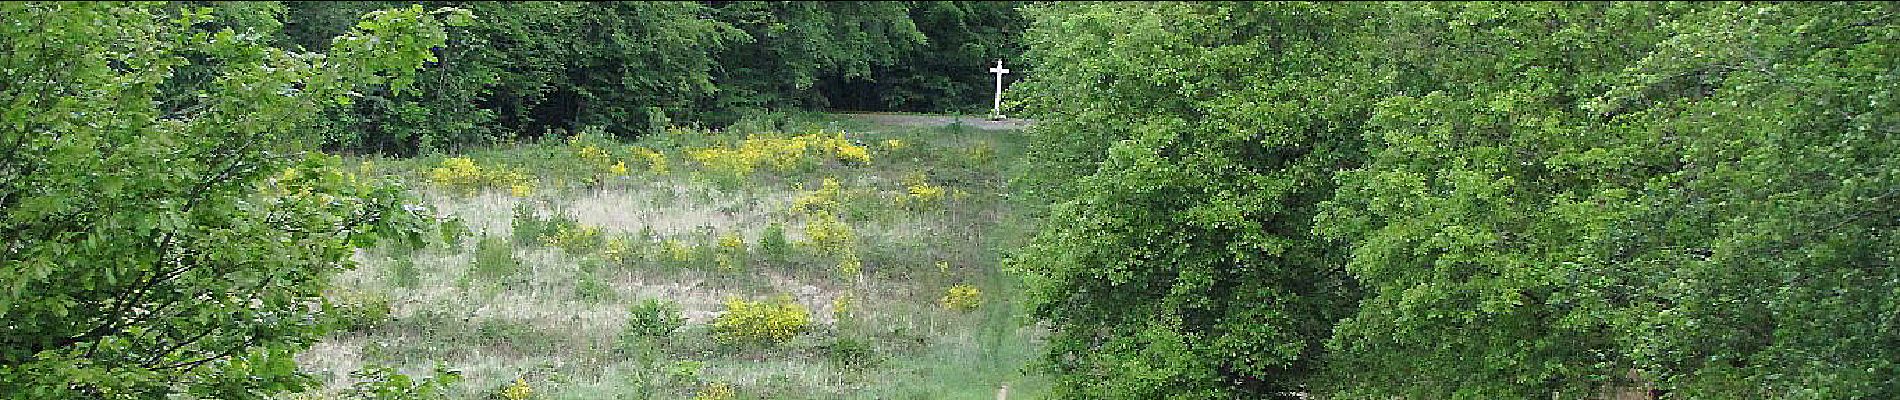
{"x": 783, "y": 257}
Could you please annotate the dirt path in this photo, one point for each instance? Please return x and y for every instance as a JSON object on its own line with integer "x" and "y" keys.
{"x": 978, "y": 122}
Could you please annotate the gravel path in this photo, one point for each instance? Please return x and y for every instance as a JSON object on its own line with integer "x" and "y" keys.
{"x": 978, "y": 122}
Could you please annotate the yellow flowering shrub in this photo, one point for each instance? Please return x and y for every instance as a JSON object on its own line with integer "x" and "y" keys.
{"x": 675, "y": 251}
{"x": 849, "y": 265}
{"x": 924, "y": 193}
{"x": 829, "y": 235}
{"x": 731, "y": 254}
{"x": 823, "y": 199}
{"x": 765, "y": 322}
{"x": 732, "y": 241}
{"x": 517, "y": 391}
{"x": 854, "y": 154}
{"x": 962, "y": 297}
{"x": 894, "y": 144}
{"x": 460, "y": 175}
{"x": 593, "y": 156}
{"x": 656, "y": 162}
{"x": 616, "y": 250}
{"x": 919, "y": 193}
{"x": 716, "y": 391}
{"x": 780, "y": 154}
{"x": 575, "y": 239}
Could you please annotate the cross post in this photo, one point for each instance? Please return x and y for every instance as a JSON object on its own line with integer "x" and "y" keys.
{"x": 996, "y": 110}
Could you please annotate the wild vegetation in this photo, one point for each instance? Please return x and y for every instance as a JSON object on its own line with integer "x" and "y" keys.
{"x": 1466, "y": 200}
{"x": 573, "y": 200}
{"x": 757, "y": 264}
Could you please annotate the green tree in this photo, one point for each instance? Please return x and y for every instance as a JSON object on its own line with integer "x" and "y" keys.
{"x": 532, "y": 67}
{"x": 170, "y": 234}
{"x": 1532, "y": 200}
{"x": 1766, "y": 225}
{"x": 946, "y": 71}
{"x": 1185, "y": 147}
{"x": 794, "y": 45}
{"x": 1464, "y": 222}
{"x": 1695, "y": 194}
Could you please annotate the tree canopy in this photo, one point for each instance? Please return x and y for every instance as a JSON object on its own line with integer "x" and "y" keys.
{"x": 165, "y": 230}
{"x": 633, "y": 68}
{"x": 1468, "y": 200}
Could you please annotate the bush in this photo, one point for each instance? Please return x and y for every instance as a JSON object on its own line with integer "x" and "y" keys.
{"x": 518, "y": 390}
{"x": 653, "y": 318}
{"x": 617, "y": 250}
{"x": 780, "y": 154}
{"x": 494, "y": 259}
{"x": 851, "y": 353}
{"x": 826, "y": 199}
{"x": 354, "y": 311}
{"x": 920, "y": 194}
{"x": 716, "y": 391}
{"x": 376, "y": 382}
{"x": 962, "y": 297}
{"x": 828, "y": 235}
{"x": 453, "y": 230}
{"x": 527, "y": 224}
{"x": 761, "y": 322}
{"x": 772, "y": 243}
{"x": 589, "y": 287}
{"x": 461, "y": 176}
{"x": 575, "y": 239}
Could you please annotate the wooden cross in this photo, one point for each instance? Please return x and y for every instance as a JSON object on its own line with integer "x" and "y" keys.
{"x": 996, "y": 111}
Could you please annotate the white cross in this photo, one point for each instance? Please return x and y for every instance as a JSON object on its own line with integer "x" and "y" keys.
{"x": 996, "y": 111}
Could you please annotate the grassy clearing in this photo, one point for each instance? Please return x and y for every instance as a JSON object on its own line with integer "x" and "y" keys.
{"x": 568, "y": 256}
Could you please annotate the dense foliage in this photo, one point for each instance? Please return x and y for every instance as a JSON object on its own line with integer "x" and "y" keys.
{"x": 165, "y": 230}
{"x": 1473, "y": 200}
{"x": 635, "y": 67}
{"x": 1242, "y": 199}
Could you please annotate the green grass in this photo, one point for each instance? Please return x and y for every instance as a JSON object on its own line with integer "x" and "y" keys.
{"x": 518, "y": 299}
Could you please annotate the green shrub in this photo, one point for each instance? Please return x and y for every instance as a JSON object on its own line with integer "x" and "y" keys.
{"x": 653, "y": 318}
{"x": 354, "y": 311}
{"x": 527, "y": 224}
{"x": 772, "y": 243}
{"x": 591, "y": 288}
{"x": 453, "y": 230}
{"x": 494, "y": 259}
{"x": 376, "y": 382}
{"x": 852, "y": 353}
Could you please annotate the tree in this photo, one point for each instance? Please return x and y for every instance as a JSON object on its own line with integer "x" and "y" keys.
{"x": 1463, "y": 223}
{"x": 1185, "y": 147}
{"x": 1503, "y": 200}
{"x": 170, "y": 234}
{"x": 945, "y": 72}
{"x": 796, "y": 44}
{"x": 532, "y": 67}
